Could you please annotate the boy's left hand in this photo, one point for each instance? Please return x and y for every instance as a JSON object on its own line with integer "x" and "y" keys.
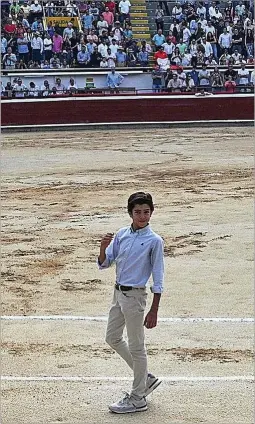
{"x": 151, "y": 319}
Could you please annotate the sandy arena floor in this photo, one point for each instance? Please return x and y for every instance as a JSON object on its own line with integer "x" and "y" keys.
{"x": 60, "y": 193}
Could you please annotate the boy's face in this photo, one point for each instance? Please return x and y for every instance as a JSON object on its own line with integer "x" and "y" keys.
{"x": 141, "y": 216}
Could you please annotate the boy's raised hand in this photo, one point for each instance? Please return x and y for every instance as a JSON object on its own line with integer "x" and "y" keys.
{"x": 106, "y": 240}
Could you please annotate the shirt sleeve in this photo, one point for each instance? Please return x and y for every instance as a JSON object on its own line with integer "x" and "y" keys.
{"x": 157, "y": 260}
{"x": 111, "y": 253}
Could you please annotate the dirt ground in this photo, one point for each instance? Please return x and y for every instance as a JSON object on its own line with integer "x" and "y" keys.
{"x": 61, "y": 191}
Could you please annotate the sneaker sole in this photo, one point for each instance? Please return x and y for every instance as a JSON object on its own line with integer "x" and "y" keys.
{"x": 153, "y": 387}
{"x": 129, "y": 412}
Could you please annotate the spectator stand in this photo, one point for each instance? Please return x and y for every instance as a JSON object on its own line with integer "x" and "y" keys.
{"x": 59, "y": 23}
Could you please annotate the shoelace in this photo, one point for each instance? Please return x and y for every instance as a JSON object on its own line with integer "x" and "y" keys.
{"x": 126, "y": 399}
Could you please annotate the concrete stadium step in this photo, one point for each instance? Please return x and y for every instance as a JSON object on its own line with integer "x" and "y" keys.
{"x": 141, "y": 29}
{"x": 137, "y": 9}
{"x": 138, "y": 14}
{"x": 142, "y": 36}
{"x": 140, "y": 22}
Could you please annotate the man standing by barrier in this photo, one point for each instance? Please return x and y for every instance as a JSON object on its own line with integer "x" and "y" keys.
{"x": 114, "y": 79}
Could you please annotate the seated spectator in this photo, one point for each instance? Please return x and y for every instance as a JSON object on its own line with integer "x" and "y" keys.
{"x": 156, "y": 76}
{"x": 9, "y": 59}
{"x": 35, "y": 10}
{"x": 72, "y": 87}
{"x": 243, "y": 75}
{"x": 176, "y": 58}
{"x": 160, "y": 54}
{"x": 54, "y": 64}
{"x": 21, "y": 65}
{"x": 83, "y": 58}
{"x": 237, "y": 57}
{"x": 121, "y": 57}
{"x": 230, "y": 85}
{"x": 114, "y": 80}
{"x": 181, "y": 46}
{"x": 8, "y": 89}
{"x": 159, "y": 39}
{"x": 186, "y": 58}
{"x": 204, "y": 76}
{"x": 92, "y": 36}
{"x": 200, "y": 58}
{"x": 210, "y": 61}
{"x": 45, "y": 88}
{"x": 19, "y": 89}
{"x": 189, "y": 83}
{"x": 224, "y": 58}
{"x": 201, "y": 10}
{"x": 104, "y": 63}
{"x": 33, "y": 90}
{"x": 175, "y": 84}
{"x": 143, "y": 57}
{"x": 113, "y": 46}
{"x": 45, "y": 64}
{"x": 230, "y": 72}
{"x": 216, "y": 82}
{"x": 61, "y": 89}
{"x": 146, "y": 45}
{"x": 90, "y": 47}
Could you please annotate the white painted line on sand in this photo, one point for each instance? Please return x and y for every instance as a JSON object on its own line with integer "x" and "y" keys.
{"x": 104, "y": 318}
{"x": 168, "y": 379}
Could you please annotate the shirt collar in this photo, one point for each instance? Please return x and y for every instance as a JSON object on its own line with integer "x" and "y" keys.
{"x": 142, "y": 231}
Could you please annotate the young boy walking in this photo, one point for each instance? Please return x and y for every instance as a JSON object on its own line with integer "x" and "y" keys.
{"x": 138, "y": 253}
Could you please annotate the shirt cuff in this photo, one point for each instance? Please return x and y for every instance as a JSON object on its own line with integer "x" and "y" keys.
{"x": 104, "y": 265}
{"x": 156, "y": 289}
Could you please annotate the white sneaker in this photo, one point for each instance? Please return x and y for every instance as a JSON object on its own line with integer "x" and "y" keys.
{"x": 129, "y": 404}
{"x": 152, "y": 383}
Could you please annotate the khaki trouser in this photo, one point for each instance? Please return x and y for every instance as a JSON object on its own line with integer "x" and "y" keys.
{"x": 127, "y": 309}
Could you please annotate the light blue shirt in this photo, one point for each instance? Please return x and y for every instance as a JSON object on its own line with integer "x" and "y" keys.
{"x": 138, "y": 255}
{"x": 114, "y": 80}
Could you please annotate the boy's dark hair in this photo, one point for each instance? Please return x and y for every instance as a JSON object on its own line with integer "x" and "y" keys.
{"x": 139, "y": 198}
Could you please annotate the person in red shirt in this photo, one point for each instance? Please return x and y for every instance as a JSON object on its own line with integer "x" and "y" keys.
{"x": 171, "y": 37}
{"x": 20, "y": 30}
{"x": 9, "y": 27}
{"x": 111, "y": 5}
{"x": 230, "y": 85}
{"x": 160, "y": 54}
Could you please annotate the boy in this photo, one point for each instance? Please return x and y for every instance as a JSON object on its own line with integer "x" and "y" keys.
{"x": 138, "y": 253}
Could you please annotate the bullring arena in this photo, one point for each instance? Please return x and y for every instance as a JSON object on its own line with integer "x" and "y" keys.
{"x": 61, "y": 191}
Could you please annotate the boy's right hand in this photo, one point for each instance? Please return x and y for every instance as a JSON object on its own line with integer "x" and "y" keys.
{"x": 106, "y": 240}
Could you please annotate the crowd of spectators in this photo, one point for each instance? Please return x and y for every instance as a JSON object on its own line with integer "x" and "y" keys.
{"x": 104, "y": 39}
{"x": 205, "y": 33}
{"x": 176, "y": 80}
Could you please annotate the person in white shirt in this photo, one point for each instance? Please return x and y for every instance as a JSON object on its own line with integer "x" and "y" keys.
{"x": 111, "y": 58}
{"x": 237, "y": 57}
{"x": 217, "y": 13}
{"x": 102, "y": 48}
{"x": 186, "y": 34}
{"x": 202, "y": 21}
{"x": 212, "y": 9}
{"x": 168, "y": 48}
{"x": 33, "y": 89}
{"x": 201, "y": 10}
{"x": 104, "y": 63}
{"x": 207, "y": 46}
{"x": 72, "y": 87}
{"x": 243, "y": 75}
{"x": 210, "y": 28}
{"x": 253, "y": 77}
{"x": 225, "y": 40}
{"x": 47, "y": 44}
{"x": 124, "y": 6}
{"x": 45, "y": 88}
{"x": 19, "y": 89}
{"x": 102, "y": 25}
{"x": 37, "y": 47}
{"x": 113, "y": 46}
{"x": 177, "y": 11}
